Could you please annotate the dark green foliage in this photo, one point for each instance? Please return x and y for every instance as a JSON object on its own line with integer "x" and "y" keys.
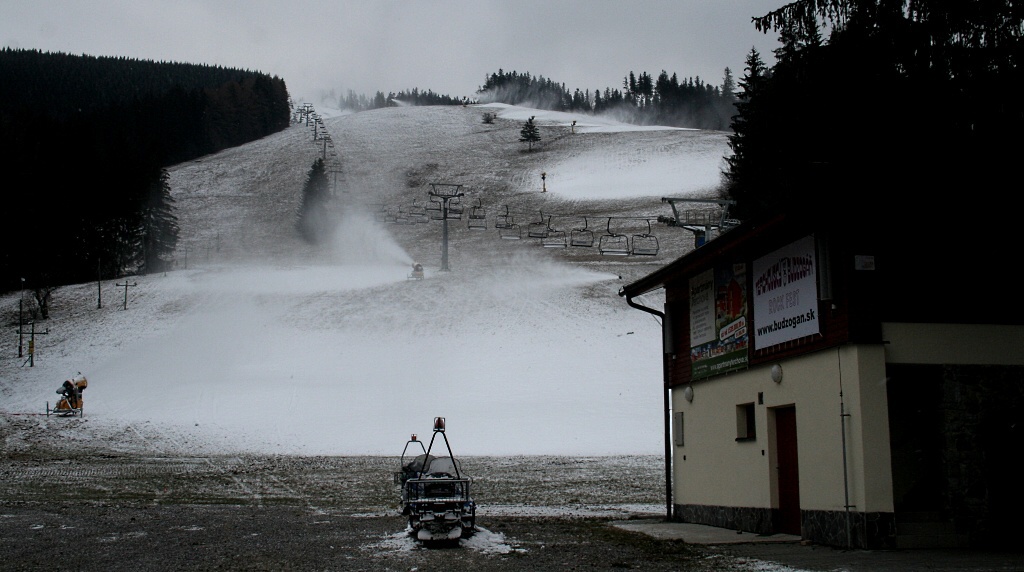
{"x": 414, "y": 96}
{"x": 747, "y": 126}
{"x": 314, "y": 221}
{"x": 515, "y": 88}
{"x": 529, "y": 132}
{"x": 911, "y": 101}
{"x": 82, "y": 144}
{"x": 174, "y": 112}
{"x": 900, "y": 128}
{"x": 642, "y": 100}
{"x": 159, "y": 231}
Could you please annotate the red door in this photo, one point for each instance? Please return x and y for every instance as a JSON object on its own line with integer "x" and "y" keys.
{"x": 788, "y": 468}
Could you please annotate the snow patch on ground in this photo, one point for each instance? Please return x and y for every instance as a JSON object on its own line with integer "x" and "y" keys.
{"x": 585, "y": 122}
{"x": 258, "y": 343}
{"x": 482, "y": 540}
{"x": 570, "y": 510}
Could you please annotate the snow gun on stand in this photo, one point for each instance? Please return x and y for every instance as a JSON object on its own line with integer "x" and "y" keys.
{"x": 435, "y": 493}
{"x": 70, "y": 402}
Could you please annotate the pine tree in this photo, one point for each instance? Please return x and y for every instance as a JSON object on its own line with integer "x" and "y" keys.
{"x": 893, "y": 109}
{"x": 728, "y": 85}
{"x": 159, "y": 224}
{"x": 529, "y": 132}
{"x": 741, "y": 175}
{"x": 314, "y": 221}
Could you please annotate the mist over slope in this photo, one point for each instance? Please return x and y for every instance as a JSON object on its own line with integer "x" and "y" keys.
{"x": 259, "y": 342}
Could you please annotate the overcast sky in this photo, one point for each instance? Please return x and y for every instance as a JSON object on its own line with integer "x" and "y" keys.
{"x": 448, "y": 46}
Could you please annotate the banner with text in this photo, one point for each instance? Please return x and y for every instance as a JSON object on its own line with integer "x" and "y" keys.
{"x": 786, "y": 294}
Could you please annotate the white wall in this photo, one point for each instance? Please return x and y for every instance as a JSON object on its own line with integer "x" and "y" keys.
{"x": 718, "y": 470}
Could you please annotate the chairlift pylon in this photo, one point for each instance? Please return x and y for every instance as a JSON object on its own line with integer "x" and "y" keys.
{"x": 613, "y": 244}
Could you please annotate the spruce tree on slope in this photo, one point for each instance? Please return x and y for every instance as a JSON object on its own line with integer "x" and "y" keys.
{"x": 529, "y": 133}
{"x": 313, "y": 223}
{"x": 159, "y": 224}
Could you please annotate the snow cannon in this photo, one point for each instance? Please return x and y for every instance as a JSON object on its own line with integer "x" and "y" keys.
{"x": 435, "y": 493}
{"x": 70, "y": 402}
{"x": 417, "y": 272}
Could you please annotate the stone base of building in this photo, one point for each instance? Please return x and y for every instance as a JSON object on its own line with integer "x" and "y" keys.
{"x": 876, "y": 530}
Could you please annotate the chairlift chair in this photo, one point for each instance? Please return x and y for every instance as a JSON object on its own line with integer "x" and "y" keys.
{"x": 582, "y": 236}
{"x": 418, "y": 214}
{"x": 454, "y": 209}
{"x": 511, "y": 231}
{"x": 555, "y": 239}
{"x": 478, "y": 217}
{"x": 503, "y": 220}
{"x": 540, "y": 228}
{"x": 645, "y": 244}
{"x": 401, "y": 217}
{"x": 434, "y": 209}
{"x": 613, "y": 244}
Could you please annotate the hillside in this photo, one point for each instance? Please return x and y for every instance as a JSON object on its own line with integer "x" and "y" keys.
{"x": 258, "y": 342}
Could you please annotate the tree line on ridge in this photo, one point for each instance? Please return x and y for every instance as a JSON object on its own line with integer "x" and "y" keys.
{"x": 84, "y": 143}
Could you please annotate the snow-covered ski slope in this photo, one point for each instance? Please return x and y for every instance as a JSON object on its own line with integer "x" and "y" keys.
{"x": 260, "y": 343}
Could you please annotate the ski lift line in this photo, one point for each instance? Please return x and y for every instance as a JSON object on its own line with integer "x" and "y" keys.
{"x": 455, "y": 204}
{"x": 522, "y": 213}
{"x": 584, "y": 215}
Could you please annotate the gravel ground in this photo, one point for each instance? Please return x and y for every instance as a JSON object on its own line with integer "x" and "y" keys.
{"x": 231, "y": 537}
{"x": 79, "y": 496}
{"x": 107, "y": 502}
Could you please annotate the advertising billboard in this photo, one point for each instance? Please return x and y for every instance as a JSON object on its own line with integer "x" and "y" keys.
{"x": 786, "y": 294}
{"x": 718, "y": 321}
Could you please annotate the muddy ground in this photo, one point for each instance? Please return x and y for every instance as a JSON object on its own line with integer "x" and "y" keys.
{"x": 72, "y": 499}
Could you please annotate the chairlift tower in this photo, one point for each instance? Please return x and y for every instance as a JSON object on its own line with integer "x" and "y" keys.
{"x": 446, "y": 192}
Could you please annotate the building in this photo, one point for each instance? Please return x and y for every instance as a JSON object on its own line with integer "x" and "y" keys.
{"x": 858, "y": 386}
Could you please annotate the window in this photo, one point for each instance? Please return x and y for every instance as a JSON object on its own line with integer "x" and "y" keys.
{"x": 745, "y": 427}
{"x": 677, "y": 429}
